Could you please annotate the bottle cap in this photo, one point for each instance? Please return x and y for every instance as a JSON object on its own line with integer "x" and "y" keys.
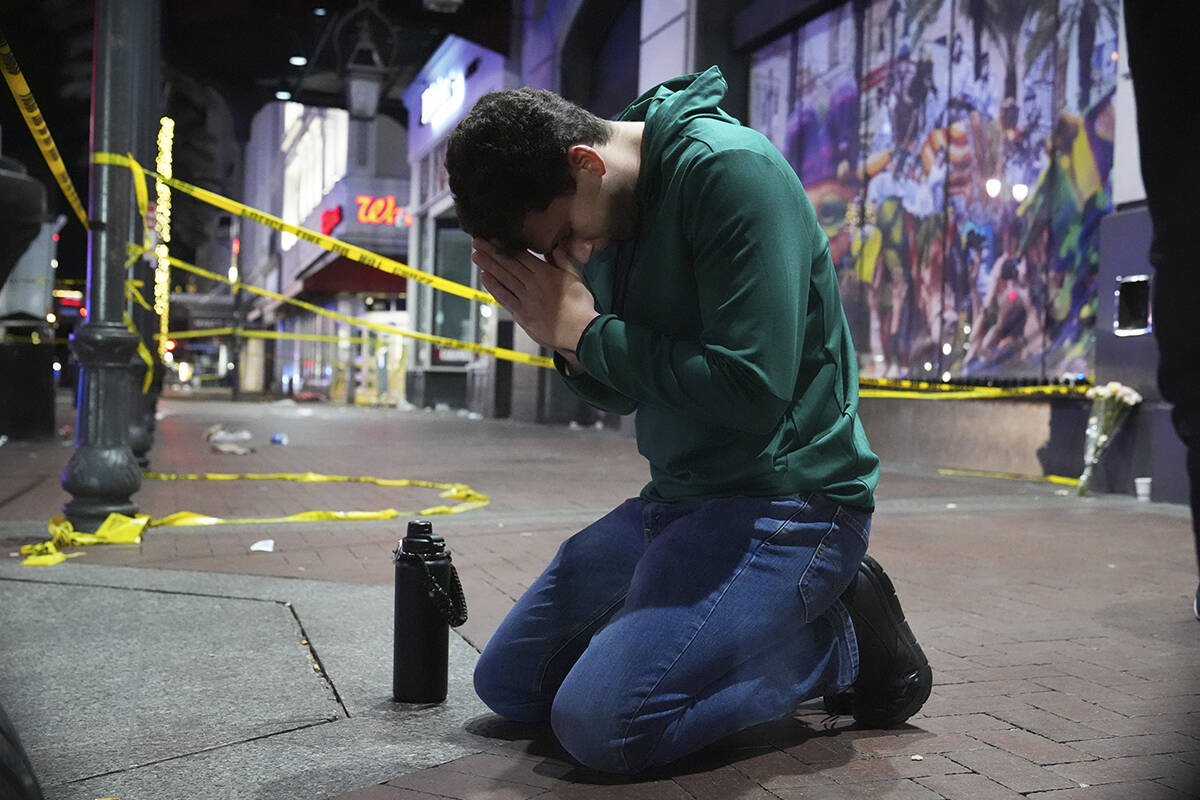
{"x": 421, "y": 540}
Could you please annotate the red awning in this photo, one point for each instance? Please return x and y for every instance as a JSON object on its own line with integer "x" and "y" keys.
{"x": 344, "y": 275}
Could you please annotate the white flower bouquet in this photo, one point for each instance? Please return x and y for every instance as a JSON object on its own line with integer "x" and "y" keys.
{"x": 1111, "y": 404}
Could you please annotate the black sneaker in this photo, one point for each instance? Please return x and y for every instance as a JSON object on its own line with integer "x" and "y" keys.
{"x": 894, "y": 679}
{"x": 840, "y": 704}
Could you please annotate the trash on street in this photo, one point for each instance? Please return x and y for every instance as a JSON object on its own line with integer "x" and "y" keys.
{"x": 219, "y": 433}
{"x": 231, "y": 449}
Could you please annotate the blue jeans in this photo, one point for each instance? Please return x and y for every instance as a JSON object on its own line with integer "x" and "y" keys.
{"x": 663, "y": 627}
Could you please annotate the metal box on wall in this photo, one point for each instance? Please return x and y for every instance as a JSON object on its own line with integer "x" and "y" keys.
{"x": 1125, "y": 346}
{"x": 1126, "y": 351}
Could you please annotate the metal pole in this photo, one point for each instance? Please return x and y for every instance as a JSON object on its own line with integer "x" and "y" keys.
{"x": 145, "y": 91}
{"x": 102, "y": 474}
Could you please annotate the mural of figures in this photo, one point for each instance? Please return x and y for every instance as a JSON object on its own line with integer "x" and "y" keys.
{"x": 958, "y": 153}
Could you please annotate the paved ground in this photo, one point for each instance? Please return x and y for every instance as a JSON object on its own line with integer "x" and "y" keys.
{"x": 1059, "y": 628}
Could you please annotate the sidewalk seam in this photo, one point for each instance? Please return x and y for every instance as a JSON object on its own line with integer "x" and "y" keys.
{"x": 312, "y": 650}
{"x": 133, "y": 767}
{"x": 141, "y": 589}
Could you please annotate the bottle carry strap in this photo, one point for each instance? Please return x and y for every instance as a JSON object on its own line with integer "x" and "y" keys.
{"x": 452, "y": 604}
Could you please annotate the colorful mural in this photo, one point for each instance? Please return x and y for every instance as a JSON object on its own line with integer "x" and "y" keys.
{"x": 958, "y": 153}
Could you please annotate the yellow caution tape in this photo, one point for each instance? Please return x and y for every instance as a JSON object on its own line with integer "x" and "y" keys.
{"x": 1061, "y": 480}
{"x": 962, "y": 394}
{"x": 142, "y": 351}
{"x": 143, "y": 199}
{"x": 37, "y": 126}
{"x": 925, "y": 390}
{"x": 441, "y": 341}
{"x": 6, "y": 338}
{"x": 467, "y": 497}
{"x": 302, "y": 337}
{"x": 44, "y": 555}
{"x": 251, "y": 333}
{"x": 350, "y": 251}
{"x": 116, "y": 529}
{"x": 133, "y": 289}
{"x": 200, "y": 333}
{"x": 133, "y": 292}
{"x": 191, "y": 518}
{"x": 120, "y": 529}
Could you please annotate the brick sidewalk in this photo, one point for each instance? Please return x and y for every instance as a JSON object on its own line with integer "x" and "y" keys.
{"x": 1059, "y": 629}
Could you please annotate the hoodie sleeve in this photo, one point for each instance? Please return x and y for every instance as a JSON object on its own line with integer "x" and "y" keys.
{"x": 593, "y": 392}
{"x": 750, "y": 229}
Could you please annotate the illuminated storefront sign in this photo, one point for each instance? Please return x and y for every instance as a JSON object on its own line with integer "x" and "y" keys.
{"x": 330, "y": 218}
{"x": 443, "y": 97}
{"x": 381, "y": 211}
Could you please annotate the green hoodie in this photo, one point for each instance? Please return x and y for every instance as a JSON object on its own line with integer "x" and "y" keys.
{"x": 731, "y": 342}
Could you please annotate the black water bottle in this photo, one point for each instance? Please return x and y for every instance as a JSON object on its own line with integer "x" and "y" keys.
{"x": 429, "y": 600}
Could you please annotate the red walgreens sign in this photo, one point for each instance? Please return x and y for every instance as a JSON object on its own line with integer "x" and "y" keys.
{"x": 330, "y": 218}
{"x": 381, "y": 211}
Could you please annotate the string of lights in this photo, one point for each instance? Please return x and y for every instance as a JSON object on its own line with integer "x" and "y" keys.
{"x": 162, "y": 214}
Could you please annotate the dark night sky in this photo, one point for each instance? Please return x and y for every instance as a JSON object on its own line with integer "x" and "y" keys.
{"x": 44, "y": 56}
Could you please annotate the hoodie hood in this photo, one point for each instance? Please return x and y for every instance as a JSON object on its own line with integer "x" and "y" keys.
{"x": 667, "y": 109}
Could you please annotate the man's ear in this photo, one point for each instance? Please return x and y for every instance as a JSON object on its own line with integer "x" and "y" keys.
{"x": 587, "y": 158}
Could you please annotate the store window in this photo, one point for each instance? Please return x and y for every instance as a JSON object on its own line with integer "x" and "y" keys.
{"x": 452, "y": 317}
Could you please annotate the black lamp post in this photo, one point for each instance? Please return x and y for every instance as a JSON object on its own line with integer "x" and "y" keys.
{"x": 102, "y": 474}
{"x": 146, "y": 94}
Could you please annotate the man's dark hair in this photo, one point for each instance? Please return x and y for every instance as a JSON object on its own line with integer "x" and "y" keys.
{"x": 509, "y": 157}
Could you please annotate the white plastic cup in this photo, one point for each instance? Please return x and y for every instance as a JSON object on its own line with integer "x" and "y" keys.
{"x": 1142, "y": 487}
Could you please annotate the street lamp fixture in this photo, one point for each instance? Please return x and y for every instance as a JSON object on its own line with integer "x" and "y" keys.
{"x": 370, "y": 67}
{"x": 365, "y": 47}
{"x": 365, "y": 74}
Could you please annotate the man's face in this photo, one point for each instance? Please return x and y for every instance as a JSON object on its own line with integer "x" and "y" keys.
{"x": 578, "y": 223}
